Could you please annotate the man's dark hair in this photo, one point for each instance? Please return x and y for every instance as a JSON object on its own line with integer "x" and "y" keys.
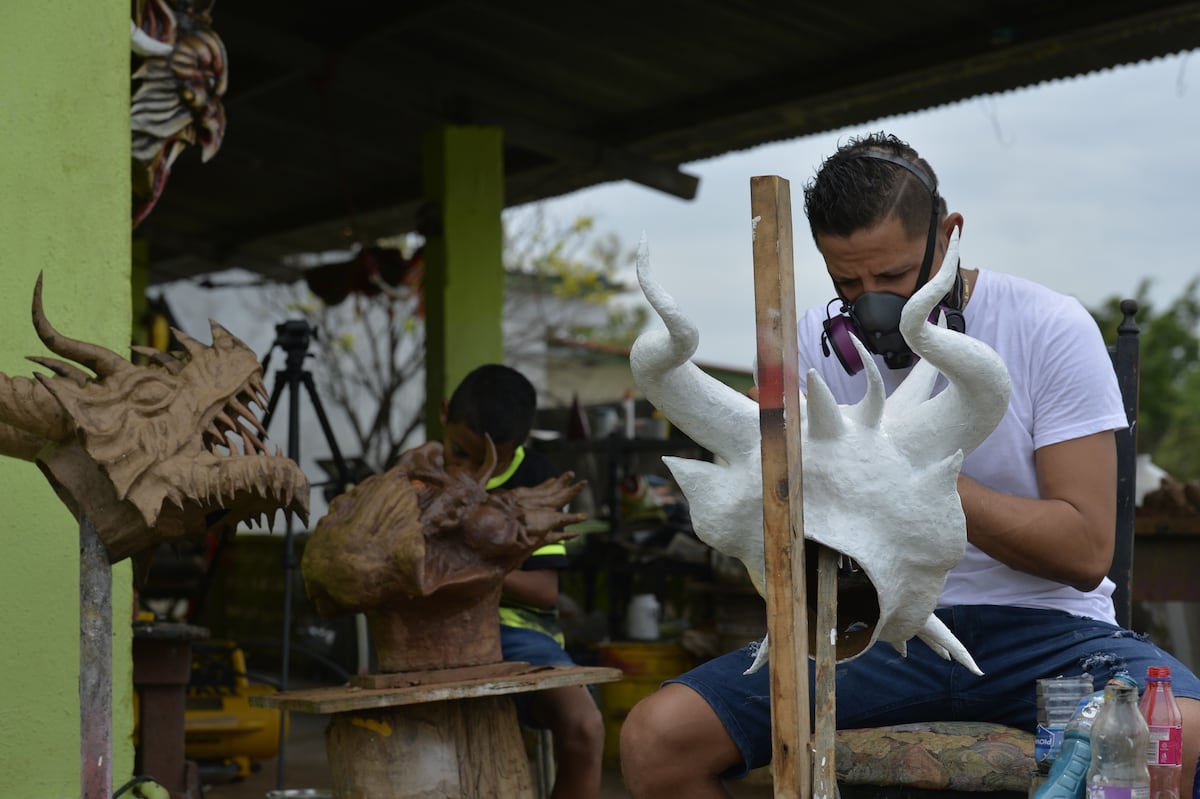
{"x": 495, "y": 400}
{"x": 851, "y": 193}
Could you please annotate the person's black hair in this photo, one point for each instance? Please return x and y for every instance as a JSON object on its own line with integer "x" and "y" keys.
{"x": 495, "y": 400}
{"x": 852, "y": 193}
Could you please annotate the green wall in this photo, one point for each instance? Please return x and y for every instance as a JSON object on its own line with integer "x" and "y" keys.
{"x": 64, "y": 209}
{"x": 464, "y": 276}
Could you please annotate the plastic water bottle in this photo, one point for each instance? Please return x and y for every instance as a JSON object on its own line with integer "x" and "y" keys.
{"x": 1164, "y": 755}
{"x": 1058, "y": 700}
{"x": 642, "y": 617}
{"x": 1068, "y": 775}
{"x": 1119, "y": 741}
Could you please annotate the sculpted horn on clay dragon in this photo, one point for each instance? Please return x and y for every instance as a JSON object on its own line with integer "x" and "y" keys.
{"x": 879, "y": 477}
{"x": 149, "y": 453}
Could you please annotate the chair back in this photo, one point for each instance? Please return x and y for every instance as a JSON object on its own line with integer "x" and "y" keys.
{"x": 1126, "y": 355}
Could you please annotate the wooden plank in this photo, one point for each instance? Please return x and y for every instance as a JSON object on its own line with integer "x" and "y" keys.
{"x": 824, "y": 694}
{"x": 783, "y": 522}
{"x": 404, "y": 679}
{"x": 1164, "y": 568}
{"x": 342, "y": 698}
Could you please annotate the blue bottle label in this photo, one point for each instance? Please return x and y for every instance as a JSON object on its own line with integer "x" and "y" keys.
{"x": 1047, "y": 743}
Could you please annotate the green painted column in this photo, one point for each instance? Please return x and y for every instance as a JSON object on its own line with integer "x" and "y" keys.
{"x": 64, "y": 210}
{"x": 464, "y": 274}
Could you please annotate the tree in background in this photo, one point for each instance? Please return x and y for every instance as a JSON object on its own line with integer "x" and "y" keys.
{"x": 562, "y": 281}
{"x": 369, "y": 354}
{"x": 369, "y": 351}
{"x": 1169, "y": 396}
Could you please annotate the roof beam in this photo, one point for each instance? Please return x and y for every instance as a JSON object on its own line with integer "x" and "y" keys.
{"x": 353, "y": 76}
{"x": 957, "y": 64}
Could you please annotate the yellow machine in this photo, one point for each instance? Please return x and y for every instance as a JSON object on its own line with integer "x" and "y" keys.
{"x": 223, "y": 734}
{"x": 221, "y": 729}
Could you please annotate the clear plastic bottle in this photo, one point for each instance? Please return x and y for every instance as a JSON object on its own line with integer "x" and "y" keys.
{"x": 1164, "y": 754}
{"x": 1119, "y": 741}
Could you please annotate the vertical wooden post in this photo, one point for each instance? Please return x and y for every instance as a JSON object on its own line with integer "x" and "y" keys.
{"x": 783, "y": 518}
{"x": 95, "y": 664}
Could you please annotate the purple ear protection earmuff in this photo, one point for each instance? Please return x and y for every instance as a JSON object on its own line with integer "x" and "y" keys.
{"x": 874, "y": 318}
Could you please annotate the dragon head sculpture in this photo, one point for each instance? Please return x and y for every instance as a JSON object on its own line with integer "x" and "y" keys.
{"x": 423, "y": 552}
{"x": 177, "y": 91}
{"x": 149, "y": 453}
{"x": 879, "y": 477}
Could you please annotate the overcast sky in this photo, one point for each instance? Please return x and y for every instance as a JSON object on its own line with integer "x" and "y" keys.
{"x": 1086, "y": 185}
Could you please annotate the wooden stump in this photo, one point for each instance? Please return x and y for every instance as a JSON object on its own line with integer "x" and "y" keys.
{"x": 456, "y": 736}
{"x": 458, "y": 748}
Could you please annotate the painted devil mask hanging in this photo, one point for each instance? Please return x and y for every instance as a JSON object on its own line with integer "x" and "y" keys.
{"x": 177, "y": 88}
{"x": 894, "y": 513}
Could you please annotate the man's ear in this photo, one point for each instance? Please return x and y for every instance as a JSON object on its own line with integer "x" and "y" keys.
{"x": 952, "y": 220}
{"x": 445, "y": 412}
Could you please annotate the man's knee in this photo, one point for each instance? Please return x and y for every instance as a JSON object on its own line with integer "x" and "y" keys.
{"x": 586, "y": 721}
{"x": 641, "y": 729}
{"x": 575, "y": 719}
{"x": 645, "y": 743}
{"x": 671, "y": 735}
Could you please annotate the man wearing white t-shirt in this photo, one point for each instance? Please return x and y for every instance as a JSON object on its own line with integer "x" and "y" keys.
{"x": 1030, "y": 598}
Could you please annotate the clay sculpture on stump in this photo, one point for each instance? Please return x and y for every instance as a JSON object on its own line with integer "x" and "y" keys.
{"x": 423, "y": 552}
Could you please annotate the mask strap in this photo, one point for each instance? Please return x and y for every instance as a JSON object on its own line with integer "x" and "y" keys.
{"x": 920, "y": 174}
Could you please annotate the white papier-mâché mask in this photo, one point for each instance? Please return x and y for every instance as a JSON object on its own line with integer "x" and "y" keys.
{"x": 879, "y": 477}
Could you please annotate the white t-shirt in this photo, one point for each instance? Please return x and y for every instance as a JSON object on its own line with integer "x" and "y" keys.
{"x": 1063, "y": 387}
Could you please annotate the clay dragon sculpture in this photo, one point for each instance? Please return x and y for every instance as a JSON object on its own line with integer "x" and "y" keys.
{"x": 423, "y": 553}
{"x": 879, "y": 477}
{"x": 149, "y": 453}
{"x": 177, "y": 91}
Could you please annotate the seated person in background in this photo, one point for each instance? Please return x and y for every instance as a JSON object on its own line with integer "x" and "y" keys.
{"x": 497, "y": 401}
{"x": 1030, "y": 598}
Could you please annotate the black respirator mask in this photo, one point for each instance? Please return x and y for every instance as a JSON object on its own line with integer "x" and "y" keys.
{"x": 874, "y": 318}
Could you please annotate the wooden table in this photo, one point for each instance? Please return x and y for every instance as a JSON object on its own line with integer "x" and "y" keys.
{"x": 457, "y": 737}
{"x": 162, "y": 668}
{"x": 1166, "y": 558}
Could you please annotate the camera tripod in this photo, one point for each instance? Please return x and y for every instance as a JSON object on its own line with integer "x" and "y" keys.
{"x": 294, "y": 337}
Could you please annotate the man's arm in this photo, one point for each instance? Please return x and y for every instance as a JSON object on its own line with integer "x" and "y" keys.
{"x": 1068, "y": 534}
{"x": 537, "y": 588}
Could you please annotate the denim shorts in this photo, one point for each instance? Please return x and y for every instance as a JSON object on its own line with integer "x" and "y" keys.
{"x": 533, "y": 647}
{"x": 537, "y": 649}
{"x": 1012, "y": 646}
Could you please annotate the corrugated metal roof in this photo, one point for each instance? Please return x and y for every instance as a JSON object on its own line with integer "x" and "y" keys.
{"x": 328, "y": 102}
